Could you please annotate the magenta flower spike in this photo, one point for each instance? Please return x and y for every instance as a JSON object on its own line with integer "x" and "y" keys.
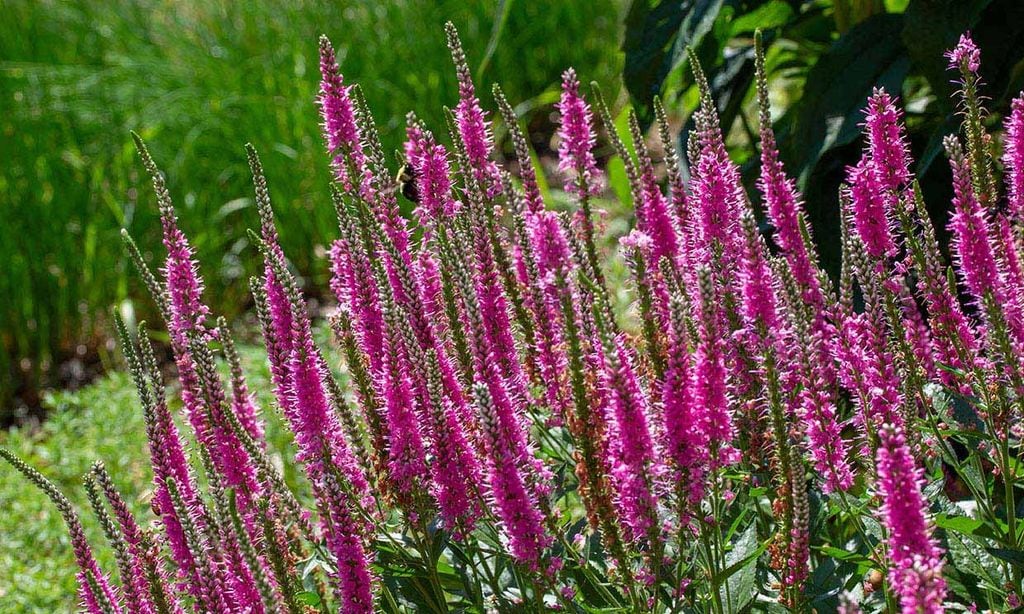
{"x": 965, "y": 54}
{"x": 457, "y": 474}
{"x": 759, "y": 307}
{"x": 430, "y": 284}
{"x": 916, "y": 570}
{"x": 407, "y": 466}
{"x": 786, "y": 213}
{"x": 324, "y": 453}
{"x": 824, "y": 429}
{"x": 550, "y": 246}
{"x": 866, "y": 369}
{"x": 576, "y": 140}
{"x": 278, "y": 311}
{"x": 318, "y": 431}
{"x": 353, "y": 282}
{"x": 1013, "y": 158}
{"x": 715, "y": 187}
{"x": 518, "y": 510}
{"x": 985, "y": 265}
{"x": 341, "y": 131}
{"x": 201, "y": 391}
{"x": 167, "y": 457}
{"x": 472, "y": 123}
{"x": 972, "y": 233}
{"x": 687, "y": 445}
{"x": 711, "y": 392}
{"x": 816, "y": 397}
{"x": 1008, "y": 252}
{"x": 188, "y": 313}
{"x": 429, "y": 162}
{"x": 634, "y": 465}
{"x": 870, "y": 215}
{"x": 132, "y": 553}
{"x": 652, "y": 211}
{"x": 955, "y": 343}
{"x": 916, "y": 332}
{"x": 339, "y": 485}
{"x": 887, "y": 144}
{"x": 279, "y": 345}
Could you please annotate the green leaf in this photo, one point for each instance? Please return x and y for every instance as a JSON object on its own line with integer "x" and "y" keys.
{"x": 845, "y": 555}
{"x": 1013, "y": 557}
{"x": 970, "y": 557}
{"x": 740, "y": 573}
{"x": 962, "y": 524}
{"x": 774, "y": 14}
{"x": 656, "y": 36}
{"x": 308, "y": 598}
{"x": 830, "y": 112}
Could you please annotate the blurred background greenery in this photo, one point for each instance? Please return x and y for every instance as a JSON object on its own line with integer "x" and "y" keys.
{"x": 200, "y": 79}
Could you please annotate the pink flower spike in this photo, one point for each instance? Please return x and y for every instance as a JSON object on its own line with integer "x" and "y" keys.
{"x": 632, "y": 448}
{"x": 341, "y": 132}
{"x": 1013, "y": 158}
{"x": 870, "y": 215}
{"x": 709, "y": 379}
{"x": 972, "y": 233}
{"x": 515, "y": 506}
{"x": 472, "y": 123}
{"x": 687, "y": 446}
{"x": 785, "y": 211}
{"x": 407, "y": 468}
{"x": 576, "y": 140}
{"x": 429, "y": 163}
{"x": 965, "y": 54}
{"x": 916, "y": 570}
{"x": 887, "y": 142}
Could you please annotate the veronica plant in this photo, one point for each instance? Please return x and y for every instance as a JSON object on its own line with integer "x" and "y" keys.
{"x": 753, "y": 437}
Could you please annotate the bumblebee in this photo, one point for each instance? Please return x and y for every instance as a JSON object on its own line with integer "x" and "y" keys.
{"x": 405, "y": 180}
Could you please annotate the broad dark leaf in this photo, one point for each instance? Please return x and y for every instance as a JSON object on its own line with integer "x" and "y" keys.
{"x": 739, "y": 575}
{"x": 1013, "y": 557}
{"x": 657, "y": 34}
{"x": 831, "y": 110}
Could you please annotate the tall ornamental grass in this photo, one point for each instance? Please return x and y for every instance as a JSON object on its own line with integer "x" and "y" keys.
{"x": 758, "y": 436}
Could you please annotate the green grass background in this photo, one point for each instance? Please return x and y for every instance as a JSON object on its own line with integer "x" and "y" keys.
{"x": 198, "y": 80}
{"x": 100, "y": 422}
